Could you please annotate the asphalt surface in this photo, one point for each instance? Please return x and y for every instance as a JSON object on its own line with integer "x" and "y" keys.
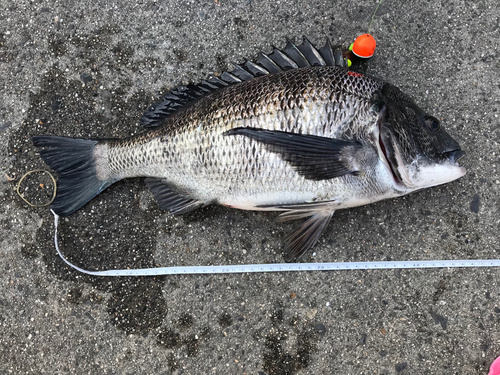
{"x": 91, "y": 68}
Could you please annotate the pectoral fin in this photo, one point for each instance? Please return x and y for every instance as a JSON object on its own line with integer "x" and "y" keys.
{"x": 315, "y": 158}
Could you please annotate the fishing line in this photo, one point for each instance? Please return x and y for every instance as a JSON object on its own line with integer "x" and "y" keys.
{"x": 27, "y": 201}
{"x": 280, "y": 267}
{"x": 364, "y": 45}
{"x": 369, "y": 27}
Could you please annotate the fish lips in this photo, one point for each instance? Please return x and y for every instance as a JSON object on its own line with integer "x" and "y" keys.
{"x": 455, "y": 155}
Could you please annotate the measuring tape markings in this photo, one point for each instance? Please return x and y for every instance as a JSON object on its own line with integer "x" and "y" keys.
{"x": 281, "y": 267}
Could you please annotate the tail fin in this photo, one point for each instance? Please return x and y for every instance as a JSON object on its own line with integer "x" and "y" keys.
{"x": 73, "y": 160}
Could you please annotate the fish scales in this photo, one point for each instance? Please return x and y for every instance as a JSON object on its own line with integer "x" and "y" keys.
{"x": 304, "y": 141}
{"x": 191, "y": 151}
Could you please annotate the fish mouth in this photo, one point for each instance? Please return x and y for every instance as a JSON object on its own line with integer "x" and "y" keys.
{"x": 454, "y": 156}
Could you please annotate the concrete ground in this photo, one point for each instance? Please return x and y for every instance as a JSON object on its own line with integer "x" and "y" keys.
{"x": 91, "y": 68}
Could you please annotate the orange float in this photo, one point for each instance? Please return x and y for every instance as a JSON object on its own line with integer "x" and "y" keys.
{"x": 364, "y": 46}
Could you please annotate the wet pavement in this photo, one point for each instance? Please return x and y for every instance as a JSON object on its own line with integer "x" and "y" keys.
{"x": 91, "y": 68}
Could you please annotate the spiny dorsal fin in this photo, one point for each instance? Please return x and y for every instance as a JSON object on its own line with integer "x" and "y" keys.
{"x": 311, "y": 53}
{"x": 291, "y": 57}
{"x": 295, "y": 54}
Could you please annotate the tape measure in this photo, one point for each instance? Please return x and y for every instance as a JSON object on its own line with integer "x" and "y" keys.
{"x": 281, "y": 267}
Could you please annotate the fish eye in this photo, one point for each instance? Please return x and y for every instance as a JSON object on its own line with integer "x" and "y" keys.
{"x": 433, "y": 124}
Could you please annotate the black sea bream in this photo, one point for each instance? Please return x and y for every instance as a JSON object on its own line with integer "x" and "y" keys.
{"x": 295, "y": 132}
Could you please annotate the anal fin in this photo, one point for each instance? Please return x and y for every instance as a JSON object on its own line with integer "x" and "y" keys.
{"x": 176, "y": 203}
{"x": 306, "y": 236}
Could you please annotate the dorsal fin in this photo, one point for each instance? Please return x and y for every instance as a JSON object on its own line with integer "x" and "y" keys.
{"x": 291, "y": 57}
{"x": 268, "y": 63}
{"x": 327, "y": 52}
{"x": 311, "y": 53}
{"x": 283, "y": 60}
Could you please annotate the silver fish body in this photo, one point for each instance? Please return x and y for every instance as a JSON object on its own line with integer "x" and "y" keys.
{"x": 306, "y": 141}
{"x": 193, "y": 153}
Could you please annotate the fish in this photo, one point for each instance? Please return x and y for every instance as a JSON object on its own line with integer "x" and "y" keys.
{"x": 295, "y": 131}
